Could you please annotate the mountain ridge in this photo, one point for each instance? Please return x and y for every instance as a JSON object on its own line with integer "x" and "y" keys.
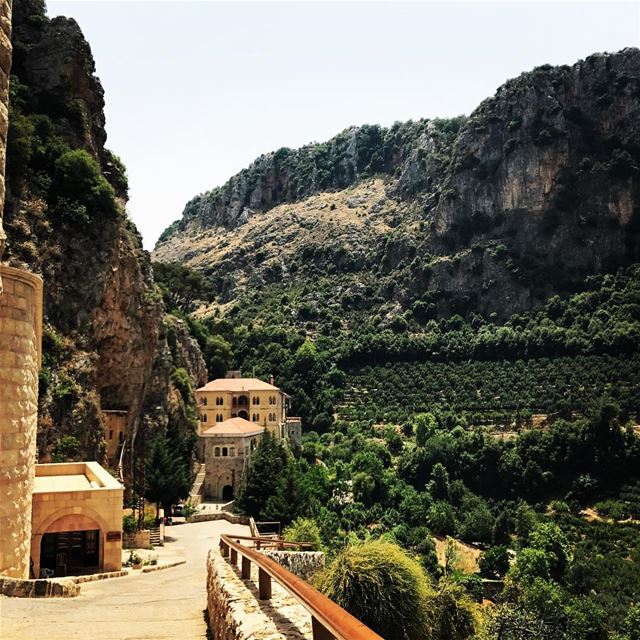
{"x": 490, "y": 213}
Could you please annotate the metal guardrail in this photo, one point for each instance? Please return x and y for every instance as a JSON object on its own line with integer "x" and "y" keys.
{"x": 328, "y": 620}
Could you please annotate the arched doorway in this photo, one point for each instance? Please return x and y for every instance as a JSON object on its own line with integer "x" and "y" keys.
{"x": 70, "y": 553}
{"x": 227, "y": 492}
{"x": 243, "y": 414}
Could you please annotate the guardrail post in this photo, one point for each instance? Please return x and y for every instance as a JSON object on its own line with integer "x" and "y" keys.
{"x": 224, "y": 549}
{"x": 234, "y": 557}
{"x": 246, "y": 568}
{"x": 319, "y": 631}
{"x": 264, "y": 585}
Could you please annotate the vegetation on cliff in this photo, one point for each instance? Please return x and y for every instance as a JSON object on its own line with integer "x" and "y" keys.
{"x": 105, "y": 343}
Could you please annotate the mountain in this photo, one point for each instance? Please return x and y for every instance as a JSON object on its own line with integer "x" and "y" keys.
{"x": 108, "y": 343}
{"x": 489, "y": 214}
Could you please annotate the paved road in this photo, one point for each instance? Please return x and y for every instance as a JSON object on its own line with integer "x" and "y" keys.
{"x": 161, "y": 605}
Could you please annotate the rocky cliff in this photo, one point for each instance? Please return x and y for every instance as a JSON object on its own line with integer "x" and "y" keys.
{"x": 107, "y": 339}
{"x": 491, "y": 214}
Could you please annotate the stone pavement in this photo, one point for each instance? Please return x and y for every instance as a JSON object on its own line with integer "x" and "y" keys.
{"x": 162, "y": 605}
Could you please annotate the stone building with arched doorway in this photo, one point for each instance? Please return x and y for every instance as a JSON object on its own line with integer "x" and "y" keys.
{"x": 227, "y": 448}
{"x": 76, "y": 525}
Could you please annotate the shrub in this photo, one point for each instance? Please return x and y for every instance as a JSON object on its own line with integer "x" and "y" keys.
{"x": 80, "y": 186}
{"x": 383, "y": 587}
{"x": 304, "y": 530}
{"x": 129, "y": 523}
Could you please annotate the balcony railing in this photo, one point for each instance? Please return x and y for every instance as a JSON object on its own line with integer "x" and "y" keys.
{"x": 328, "y": 620}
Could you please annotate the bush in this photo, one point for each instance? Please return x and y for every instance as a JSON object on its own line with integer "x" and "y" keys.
{"x": 382, "y": 586}
{"x": 80, "y": 186}
{"x": 304, "y": 530}
{"x": 129, "y": 524}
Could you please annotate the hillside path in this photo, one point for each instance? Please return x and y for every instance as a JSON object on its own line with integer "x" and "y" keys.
{"x": 167, "y": 604}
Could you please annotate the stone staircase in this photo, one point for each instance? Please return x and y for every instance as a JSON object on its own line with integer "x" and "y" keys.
{"x": 155, "y": 537}
{"x": 195, "y": 496}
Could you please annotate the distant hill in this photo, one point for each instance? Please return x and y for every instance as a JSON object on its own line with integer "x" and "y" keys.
{"x": 488, "y": 214}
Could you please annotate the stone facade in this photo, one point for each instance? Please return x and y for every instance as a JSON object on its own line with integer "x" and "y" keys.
{"x": 234, "y": 611}
{"x": 20, "y": 340}
{"x": 75, "y": 497}
{"x": 247, "y": 398}
{"x": 304, "y": 564}
{"x": 225, "y": 458}
{"x": 5, "y": 70}
{"x": 115, "y": 434}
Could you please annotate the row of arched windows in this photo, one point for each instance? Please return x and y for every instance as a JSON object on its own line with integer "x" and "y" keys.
{"x": 272, "y": 400}
{"x": 230, "y": 452}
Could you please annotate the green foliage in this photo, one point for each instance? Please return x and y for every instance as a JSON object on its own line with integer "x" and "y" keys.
{"x": 381, "y": 586}
{"x": 167, "y": 474}
{"x": 129, "y": 523}
{"x": 494, "y": 562}
{"x": 181, "y": 287}
{"x": 304, "y": 530}
{"x": 66, "y": 449}
{"x": 78, "y": 187}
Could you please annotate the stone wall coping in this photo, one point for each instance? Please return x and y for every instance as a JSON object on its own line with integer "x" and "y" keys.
{"x": 91, "y": 469}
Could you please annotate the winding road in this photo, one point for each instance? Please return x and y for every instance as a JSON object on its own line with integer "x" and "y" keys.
{"x": 160, "y": 605}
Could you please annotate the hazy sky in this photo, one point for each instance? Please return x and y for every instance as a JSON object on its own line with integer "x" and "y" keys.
{"x": 196, "y": 90}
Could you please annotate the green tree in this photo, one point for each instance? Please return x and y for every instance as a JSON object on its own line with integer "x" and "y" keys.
{"x": 439, "y": 484}
{"x": 424, "y": 426}
{"x": 167, "y": 479}
{"x": 263, "y": 476}
{"x": 550, "y": 539}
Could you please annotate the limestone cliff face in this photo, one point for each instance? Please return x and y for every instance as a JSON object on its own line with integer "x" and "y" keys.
{"x": 105, "y": 339}
{"x": 538, "y": 188}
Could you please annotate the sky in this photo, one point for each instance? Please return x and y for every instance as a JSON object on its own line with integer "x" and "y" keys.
{"x": 196, "y": 90}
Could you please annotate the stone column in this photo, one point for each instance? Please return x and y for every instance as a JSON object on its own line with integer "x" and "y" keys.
{"x": 5, "y": 69}
{"x": 20, "y": 340}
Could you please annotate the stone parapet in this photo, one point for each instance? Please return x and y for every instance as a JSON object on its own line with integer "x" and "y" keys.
{"x": 56, "y": 588}
{"x": 220, "y": 515}
{"x": 20, "y": 342}
{"x": 304, "y": 564}
{"x": 234, "y": 611}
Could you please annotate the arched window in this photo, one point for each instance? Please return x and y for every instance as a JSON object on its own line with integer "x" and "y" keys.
{"x": 203, "y": 417}
{"x": 225, "y": 452}
{"x": 203, "y": 401}
{"x": 232, "y": 452}
{"x": 216, "y": 453}
{"x": 256, "y": 417}
{"x": 255, "y": 400}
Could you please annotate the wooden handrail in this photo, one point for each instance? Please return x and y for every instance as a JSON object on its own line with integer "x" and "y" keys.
{"x": 262, "y": 542}
{"x": 329, "y": 621}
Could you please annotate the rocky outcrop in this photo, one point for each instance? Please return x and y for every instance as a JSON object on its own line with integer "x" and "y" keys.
{"x": 535, "y": 190}
{"x": 106, "y": 338}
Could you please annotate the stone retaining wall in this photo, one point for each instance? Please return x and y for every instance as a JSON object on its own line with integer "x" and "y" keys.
{"x": 234, "y": 611}
{"x": 220, "y": 515}
{"x": 137, "y": 540}
{"x": 54, "y": 588}
{"x": 302, "y": 563}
